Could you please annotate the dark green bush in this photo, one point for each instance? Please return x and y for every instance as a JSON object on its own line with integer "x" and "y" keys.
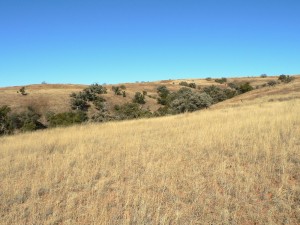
{"x": 66, "y": 118}
{"x": 131, "y": 111}
{"x": 139, "y": 98}
{"x": 192, "y": 85}
{"x": 99, "y": 103}
{"x": 79, "y": 101}
{"x": 22, "y": 91}
{"x": 272, "y": 83}
{"x": 263, "y": 75}
{"x": 185, "y": 100}
{"x": 286, "y": 78}
{"x": 96, "y": 88}
{"x": 243, "y": 88}
{"x": 184, "y": 83}
{"x": 163, "y": 93}
{"x": 116, "y": 90}
{"x": 208, "y": 78}
{"x": 5, "y": 127}
{"x": 221, "y": 81}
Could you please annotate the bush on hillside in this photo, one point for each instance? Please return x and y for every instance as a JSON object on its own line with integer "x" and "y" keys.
{"x": 185, "y": 100}
{"x": 131, "y": 111}
{"x": 139, "y": 98}
{"x": 245, "y": 87}
{"x": 5, "y": 127}
{"x": 286, "y": 78}
{"x": 163, "y": 93}
{"x": 218, "y": 94}
{"x": 272, "y": 83}
{"x": 66, "y": 118}
{"x": 116, "y": 90}
{"x": 263, "y": 75}
{"x": 221, "y": 81}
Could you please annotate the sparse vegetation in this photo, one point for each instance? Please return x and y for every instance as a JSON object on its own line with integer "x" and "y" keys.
{"x": 221, "y": 81}
{"x": 285, "y": 78}
{"x": 22, "y": 91}
{"x": 139, "y": 98}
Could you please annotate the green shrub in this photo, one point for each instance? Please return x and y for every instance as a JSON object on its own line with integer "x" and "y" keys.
{"x": 123, "y": 87}
{"x": 22, "y": 91}
{"x": 243, "y": 88}
{"x": 96, "y": 88}
{"x": 185, "y": 100}
{"x": 272, "y": 83}
{"x": 192, "y": 85}
{"x": 5, "y": 127}
{"x": 79, "y": 101}
{"x": 99, "y": 103}
{"x": 66, "y": 118}
{"x": 124, "y": 94}
{"x": 263, "y": 75}
{"x": 184, "y": 83}
{"x": 131, "y": 111}
{"x": 163, "y": 93}
{"x": 116, "y": 90}
{"x": 221, "y": 81}
{"x": 29, "y": 120}
{"x": 208, "y": 78}
{"x": 286, "y": 78}
{"x": 139, "y": 98}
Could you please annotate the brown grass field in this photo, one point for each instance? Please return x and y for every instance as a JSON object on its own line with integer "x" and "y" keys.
{"x": 235, "y": 163}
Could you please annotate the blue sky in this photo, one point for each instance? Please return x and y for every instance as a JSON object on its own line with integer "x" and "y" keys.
{"x": 70, "y": 41}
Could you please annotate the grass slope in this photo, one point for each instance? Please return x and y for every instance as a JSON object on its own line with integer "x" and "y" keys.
{"x": 230, "y": 165}
{"x": 56, "y": 97}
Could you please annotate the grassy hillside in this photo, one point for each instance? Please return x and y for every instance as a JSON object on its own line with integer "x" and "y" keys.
{"x": 236, "y": 163}
{"x": 56, "y": 97}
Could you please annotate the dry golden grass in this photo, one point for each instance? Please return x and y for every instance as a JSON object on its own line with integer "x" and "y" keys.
{"x": 232, "y": 165}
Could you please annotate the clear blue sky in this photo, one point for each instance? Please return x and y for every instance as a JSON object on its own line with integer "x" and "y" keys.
{"x": 111, "y": 41}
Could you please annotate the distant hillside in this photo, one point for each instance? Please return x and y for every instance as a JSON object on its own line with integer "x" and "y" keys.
{"x": 56, "y": 97}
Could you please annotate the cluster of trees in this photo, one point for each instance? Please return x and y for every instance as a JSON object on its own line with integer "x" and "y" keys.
{"x": 24, "y": 121}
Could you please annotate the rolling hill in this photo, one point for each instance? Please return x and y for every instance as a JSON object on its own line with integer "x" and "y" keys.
{"x": 237, "y": 162}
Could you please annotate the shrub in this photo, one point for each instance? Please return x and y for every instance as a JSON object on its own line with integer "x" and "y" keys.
{"x": 216, "y": 93}
{"x": 131, "y": 111}
{"x": 66, "y": 118}
{"x": 123, "y": 94}
{"x": 163, "y": 93}
{"x": 28, "y": 120}
{"x": 123, "y": 87}
{"x": 185, "y": 100}
{"x": 96, "y": 88}
{"x": 286, "y": 78}
{"x": 22, "y": 91}
{"x": 263, "y": 75}
{"x": 272, "y": 83}
{"x": 139, "y": 98}
{"x": 184, "y": 83}
{"x": 221, "y": 81}
{"x": 79, "y": 101}
{"x": 243, "y": 88}
{"x": 116, "y": 90}
{"x": 99, "y": 103}
{"x": 144, "y": 93}
{"x": 4, "y": 120}
{"x": 192, "y": 85}
{"x": 208, "y": 78}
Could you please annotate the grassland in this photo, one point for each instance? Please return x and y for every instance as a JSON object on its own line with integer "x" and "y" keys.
{"x": 56, "y": 97}
{"x": 236, "y": 163}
